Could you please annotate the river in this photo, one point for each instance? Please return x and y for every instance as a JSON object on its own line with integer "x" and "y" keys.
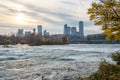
{"x": 55, "y": 62}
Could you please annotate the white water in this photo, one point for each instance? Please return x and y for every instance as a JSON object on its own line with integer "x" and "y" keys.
{"x": 55, "y": 62}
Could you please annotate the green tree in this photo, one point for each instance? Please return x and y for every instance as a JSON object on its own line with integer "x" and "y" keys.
{"x": 106, "y": 13}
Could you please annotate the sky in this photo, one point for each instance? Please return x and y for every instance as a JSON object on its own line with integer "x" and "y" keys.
{"x": 51, "y": 14}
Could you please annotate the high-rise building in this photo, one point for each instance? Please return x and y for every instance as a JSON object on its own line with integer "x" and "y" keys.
{"x": 20, "y": 32}
{"x": 40, "y": 30}
{"x": 66, "y": 30}
{"x": 77, "y": 34}
{"x": 34, "y": 31}
{"x": 73, "y": 31}
{"x": 81, "y": 26}
{"x": 46, "y": 33}
{"x": 27, "y": 33}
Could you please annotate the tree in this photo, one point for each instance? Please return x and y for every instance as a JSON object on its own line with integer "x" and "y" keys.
{"x": 64, "y": 40}
{"x": 106, "y": 13}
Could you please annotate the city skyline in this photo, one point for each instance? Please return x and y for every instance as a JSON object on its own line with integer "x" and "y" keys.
{"x": 67, "y": 31}
{"x": 75, "y": 31}
{"x": 52, "y": 14}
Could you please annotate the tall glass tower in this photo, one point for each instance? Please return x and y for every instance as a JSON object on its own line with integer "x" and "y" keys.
{"x": 73, "y": 31}
{"x": 40, "y": 30}
{"x": 20, "y": 32}
{"x": 66, "y": 30}
{"x": 34, "y": 31}
{"x": 81, "y": 28}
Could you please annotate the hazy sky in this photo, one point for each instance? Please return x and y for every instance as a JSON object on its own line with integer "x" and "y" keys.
{"x": 51, "y": 14}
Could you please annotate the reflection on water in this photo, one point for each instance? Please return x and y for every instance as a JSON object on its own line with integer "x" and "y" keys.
{"x": 53, "y": 61}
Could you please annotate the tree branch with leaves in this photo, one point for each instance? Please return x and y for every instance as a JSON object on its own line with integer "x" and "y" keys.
{"x": 106, "y": 13}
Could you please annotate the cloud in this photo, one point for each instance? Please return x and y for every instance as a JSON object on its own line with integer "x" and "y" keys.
{"x": 93, "y": 30}
{"x": 68, "y": 2}
{"x": 52, "y": 14}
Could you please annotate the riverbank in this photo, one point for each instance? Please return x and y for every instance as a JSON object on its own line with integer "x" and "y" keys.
{"x": 94, "y": 42}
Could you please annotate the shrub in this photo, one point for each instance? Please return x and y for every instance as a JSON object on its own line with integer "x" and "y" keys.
{"x": 116, "y": 57}
{"x": 107, "y": 71}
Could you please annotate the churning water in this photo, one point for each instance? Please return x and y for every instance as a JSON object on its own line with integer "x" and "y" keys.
{"x": 55, "y": 62}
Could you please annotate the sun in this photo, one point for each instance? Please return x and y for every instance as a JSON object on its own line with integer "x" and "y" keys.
{"x": 20, "y": 18}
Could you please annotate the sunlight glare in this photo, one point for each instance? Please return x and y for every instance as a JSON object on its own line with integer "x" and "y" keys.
{"x": 20, "y": 18}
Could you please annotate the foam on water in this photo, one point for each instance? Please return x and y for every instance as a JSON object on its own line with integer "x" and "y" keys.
{"x": 55, "y": 62}
{"x": 77, "y": 52}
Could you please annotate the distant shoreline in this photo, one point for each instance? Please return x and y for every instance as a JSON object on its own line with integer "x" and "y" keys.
{"x": 94, "y": 42}
{"x": 70, "y": 42}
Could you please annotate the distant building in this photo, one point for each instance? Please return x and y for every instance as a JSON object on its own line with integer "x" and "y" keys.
{"x": 20, "y": 32}
{"x": 27, "y": 33}
{"x": 73, "y": 31}
{"x": 81, "y": 30}
{"x": 77, "y": 34}
{"x": 46, "y": 33}
{"x": 34, "y": 31}
{"x": 40, "y": 30}
{"x": 57, "y": 37}
{"x": 96, "y": 37}
{"x": 66, "y": 30}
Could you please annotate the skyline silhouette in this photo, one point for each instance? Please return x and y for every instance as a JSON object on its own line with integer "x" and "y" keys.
{"x": 52, "y": 14}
